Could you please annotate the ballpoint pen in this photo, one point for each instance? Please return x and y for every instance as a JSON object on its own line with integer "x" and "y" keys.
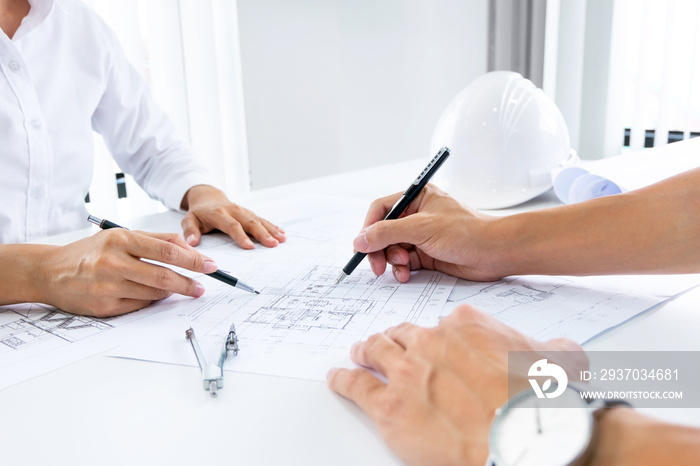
{"x": 408, "y": 196}
{"x": 219, "y": 274}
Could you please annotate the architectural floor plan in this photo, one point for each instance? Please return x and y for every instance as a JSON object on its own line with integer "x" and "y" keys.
{"x": 578, "y": 308}
{"x": 300, "y": 320}
{"x": 301, "y": 324}
{"x": 37, "y": 337}
{"x": 37, "y": 327}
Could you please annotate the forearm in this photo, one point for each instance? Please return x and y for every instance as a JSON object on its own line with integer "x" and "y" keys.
{"x": 627, "y": 437}
{"x": 652, "y": 230}
{"x": 20, "y": 273}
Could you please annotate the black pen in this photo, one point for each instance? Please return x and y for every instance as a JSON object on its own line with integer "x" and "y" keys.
{"x": 219, "y": 275}
{"x": 408, "y": 196}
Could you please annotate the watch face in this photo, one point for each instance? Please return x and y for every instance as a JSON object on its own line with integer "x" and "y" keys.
{"x": 542, "y": 432}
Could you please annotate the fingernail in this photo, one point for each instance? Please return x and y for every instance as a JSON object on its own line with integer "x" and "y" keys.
{"x": 331, "y": 372}
{"x": 353, "y": 348}
{"x": 360, "y": 242}
{"x": 198, "y": 290}
{"x": 191, "y": 239}
{"x": 210, "y": 266}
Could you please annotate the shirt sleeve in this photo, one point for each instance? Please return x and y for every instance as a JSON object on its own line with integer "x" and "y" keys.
{"x": 141, "y": 137}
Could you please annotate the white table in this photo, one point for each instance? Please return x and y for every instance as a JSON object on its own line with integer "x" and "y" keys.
{"x": 110, "y": 411}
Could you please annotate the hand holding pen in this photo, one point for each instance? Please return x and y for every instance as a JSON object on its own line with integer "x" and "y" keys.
{"x": 216, "y": 274}
{"x": 399, "y": 205}
{"x": 437, "y": 233}
{"x": 103, "y": 275}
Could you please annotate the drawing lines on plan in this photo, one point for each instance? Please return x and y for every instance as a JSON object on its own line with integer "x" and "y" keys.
{"x": 550, "y": 307}
{"x": 23, "y": 327}
{"x": 510, "y": 293}
{"x": 35, "y": 338}
{"x": 299, "y": 305}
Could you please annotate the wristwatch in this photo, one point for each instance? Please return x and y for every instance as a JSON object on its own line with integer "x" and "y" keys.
{"x": 558, "y": 431}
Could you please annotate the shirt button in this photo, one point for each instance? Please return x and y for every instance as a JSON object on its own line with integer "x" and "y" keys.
{"x": 13, "y": 65}
{"x": 38, "y": 192}
{"x": 36, "y": 124}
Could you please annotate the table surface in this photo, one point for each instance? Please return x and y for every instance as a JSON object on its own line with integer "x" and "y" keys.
{"x": 109, "y": 411}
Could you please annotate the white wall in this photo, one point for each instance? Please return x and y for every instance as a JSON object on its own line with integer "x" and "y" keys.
{"x": 334, "y": 85}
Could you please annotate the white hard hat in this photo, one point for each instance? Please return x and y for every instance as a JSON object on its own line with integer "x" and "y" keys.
{"x": 505, "y": 137}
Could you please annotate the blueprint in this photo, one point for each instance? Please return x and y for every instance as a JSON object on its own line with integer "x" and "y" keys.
{"x": 36, "y": 338}
{"x": 300, "y": 324}
{"x": 578, "y": 308}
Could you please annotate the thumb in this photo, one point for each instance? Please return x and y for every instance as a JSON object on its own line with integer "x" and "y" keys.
{"x": 387, "y": 232}
{"x": 191, "y": 229}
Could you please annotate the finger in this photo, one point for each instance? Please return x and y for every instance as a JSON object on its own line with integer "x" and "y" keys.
{"x": 259, "y": 232}
{"x": 379, "y": 352}
{"x": 397, "y": 255}
{"x": 170, "y": 252}
{"x": 382, "y": 234}
{"x": 404, "y": 334}
{"x": 162, "y": 278}
{"x": 401, "y": 273}
{"x": 178, "y": 241}
{"x": 191, "y": 229}
{"x": 400, "y": 259}
{"x": 168, "y": 248}
{"x": 357, "y": 385}
{"x": 139, "y": 291}
{"x": 233, "y": 228}
{"x": 377, "y": 262}
{"x": 379, "y": 208}
{"x": 274, "y": 230}
{"x": 417, "y": 261}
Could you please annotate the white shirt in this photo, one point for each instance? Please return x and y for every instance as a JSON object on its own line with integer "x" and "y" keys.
{"x": 62, "y": 76}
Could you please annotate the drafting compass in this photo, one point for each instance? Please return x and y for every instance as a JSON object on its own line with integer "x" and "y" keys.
{"x": 213, "y": 374}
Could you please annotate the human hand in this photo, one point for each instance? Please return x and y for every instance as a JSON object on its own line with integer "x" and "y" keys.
{"x": 209, "y": 209}
{"x": 444, "y": 384}
{"x": 436, "y": 232}
{"x": 103, "y": 275}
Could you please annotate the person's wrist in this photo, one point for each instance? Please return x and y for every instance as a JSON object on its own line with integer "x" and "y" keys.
{"x": 626, "y": 437}
{"x": 502, "y": 248}
{"x": 33, "y": 280}
{"x": 201, "y": 193}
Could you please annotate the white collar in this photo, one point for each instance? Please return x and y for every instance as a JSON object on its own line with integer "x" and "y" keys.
{"x": 38, "y": 12}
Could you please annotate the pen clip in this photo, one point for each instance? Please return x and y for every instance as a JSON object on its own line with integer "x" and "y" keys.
{"x": 430, "y": 165}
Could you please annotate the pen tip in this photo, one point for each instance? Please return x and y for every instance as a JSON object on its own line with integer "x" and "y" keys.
{"x": 257, "y": 292}
{"x": 341, "y": 277}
